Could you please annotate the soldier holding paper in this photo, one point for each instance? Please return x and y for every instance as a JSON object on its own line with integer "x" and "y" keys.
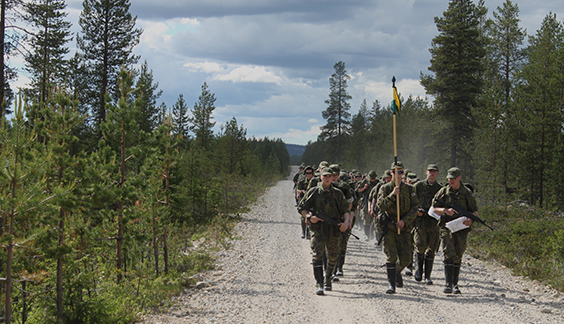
{"x": 454, "y": 227}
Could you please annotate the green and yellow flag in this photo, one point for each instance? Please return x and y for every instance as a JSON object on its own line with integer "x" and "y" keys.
{"x": 396, "y": 105}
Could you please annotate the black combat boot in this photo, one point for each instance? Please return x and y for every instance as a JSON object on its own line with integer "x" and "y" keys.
{"x": 399, "y": 279}
{"x": 329, "y": 277}
{"x": 455, "y": 274}
{"x": 409, "y": 268}
{"x": 429, "y": 259}
{"x": 308, "y": 236}
{"x": 391, "y": 270}
{"x": 449, "y": 269}
{"x": 419, "y": 271}
{"x": 304, "y": 227}
{"x": 318, "y": 274}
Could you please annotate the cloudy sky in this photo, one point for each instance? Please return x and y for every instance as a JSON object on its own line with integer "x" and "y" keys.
{"x": 269, "y": 61}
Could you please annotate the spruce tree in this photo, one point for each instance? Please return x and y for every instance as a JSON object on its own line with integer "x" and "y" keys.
{"x": 106, "y": 44}
{"x": 337, "y": 113}
{"x": 457, "y": 64}
{"x": 45, "y": 62}
{"x": 201, "y": 120}
{"x": 181, "y": 118}
{"x": 149, "y": 93}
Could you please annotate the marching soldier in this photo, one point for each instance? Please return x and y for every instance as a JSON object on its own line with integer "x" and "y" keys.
{"x": 454, "y": 244}
{"x": 397, "y": 246}
{"x": 426, "y": 232}
{"x": 325, "y": 238}
{"x": 300, "y": 192}
{"x": 364, "y": 188}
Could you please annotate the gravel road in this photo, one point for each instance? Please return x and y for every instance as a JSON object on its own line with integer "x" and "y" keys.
{"x": 266, "y": 277}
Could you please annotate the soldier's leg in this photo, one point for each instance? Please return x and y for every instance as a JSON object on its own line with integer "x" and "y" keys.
{"x": 460, "y": 239}
{"x": 318, "y": 252}
{"x": 449, "y": 256}
{"x": 391, "y": 250}
{"x": 433, "y": 241}
{"x": 343, "y": 251}
{"x": 420, "y": 242}
{"x": 304, "y": 227}
{"x": 332, "y": 245}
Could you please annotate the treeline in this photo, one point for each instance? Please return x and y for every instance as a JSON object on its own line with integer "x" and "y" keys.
{"x": 103, "y": 189}
{"x": 497, "y": 111}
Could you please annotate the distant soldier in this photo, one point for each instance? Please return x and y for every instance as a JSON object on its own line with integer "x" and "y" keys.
{"x": 397, "y": 246}
{"x": 325, "y": 238}
{"x": 427, "y": 232}
{"x": 373, "y": 208}
{"x": 300, "y": 192}
{"x": 454, "y": 244}
{"x": 297, "y": 178}
{"x": 411, "y": 178}
{"x": 364, "y": 188}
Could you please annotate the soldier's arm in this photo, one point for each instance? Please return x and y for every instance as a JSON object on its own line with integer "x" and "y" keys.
{"x": 409, "y": 218}
{"x": 385, "y": 198}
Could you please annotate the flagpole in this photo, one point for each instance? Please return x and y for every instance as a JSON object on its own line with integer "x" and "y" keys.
{"x": 397, "y": 178}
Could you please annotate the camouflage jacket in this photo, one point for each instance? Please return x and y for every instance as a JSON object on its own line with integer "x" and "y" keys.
{"x": 462, "y": 197}
{"x": 408, "y": 204}
{"x": 426, "y": 192}
{"x": 332, "y": 202}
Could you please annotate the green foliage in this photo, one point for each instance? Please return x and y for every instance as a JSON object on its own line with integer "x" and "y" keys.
{"x": 527, "y": 240}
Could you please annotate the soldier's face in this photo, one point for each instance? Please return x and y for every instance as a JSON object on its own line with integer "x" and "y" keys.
{"x": 400, "y": 173}
{"x": 432, "y": 175}
{"x": 455, "y": 182}
{"x": 387, "y": 179}
{"x": 327, "y": 179}
{"x": 309, "y": 174}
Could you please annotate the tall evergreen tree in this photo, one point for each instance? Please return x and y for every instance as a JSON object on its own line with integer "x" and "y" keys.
{"x": 540, "y": 110}
{"x": 181, "y": 118}
{"x": 359, "y": 135}
{"x": 106, "y": 43}
{"x": 497, "y": 137}
{"x": 201, "y": 120}
{"x": 149, "y": 93}
{"x": 46, "y": 61}
{"x": 337, "y": 113}
{"x": 456, "y": 61}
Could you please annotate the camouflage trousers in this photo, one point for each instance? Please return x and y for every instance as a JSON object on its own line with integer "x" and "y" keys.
{"x": 322, "y": 242}
{"x": 398, "y": 247}
{"x": 426, "y": 235}
{"x": 454, "y": 244}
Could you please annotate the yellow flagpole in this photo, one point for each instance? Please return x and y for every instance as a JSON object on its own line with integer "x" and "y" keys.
{"x": 397, "y": 178}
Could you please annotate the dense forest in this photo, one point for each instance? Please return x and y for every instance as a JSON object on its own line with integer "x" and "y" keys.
{"x": 102, "y": 188}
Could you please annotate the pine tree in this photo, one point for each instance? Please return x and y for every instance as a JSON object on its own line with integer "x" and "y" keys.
{"x": 337, "y": 113}
{"x": 7, "y": 45}
{"x": 106, "y": 44}
{"x": 457, "y": 54}
{"x": 46, "y": 61}
{"x": 202, "y": 117}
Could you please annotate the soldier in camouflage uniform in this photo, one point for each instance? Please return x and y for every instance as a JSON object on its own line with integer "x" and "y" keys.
{"x": 373, "y": 209}
{"x": 296, "y": 179}
{"x": 454, "y": 244}
{"x": 426, "y": 231}
{"x": 341, "y": 181}
{"x": 397, "y": 246}
{"x": 301, "y": 190}
{"x": 364, "y": 188}
{"x": 325, "y": 238}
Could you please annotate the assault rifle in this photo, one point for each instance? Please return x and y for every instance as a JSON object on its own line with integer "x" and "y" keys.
{"x": 463, "y": 212}
{"x": 330, "y": 221}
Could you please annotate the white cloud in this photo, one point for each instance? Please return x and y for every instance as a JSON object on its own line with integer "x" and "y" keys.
{"x": 250, "y": 74}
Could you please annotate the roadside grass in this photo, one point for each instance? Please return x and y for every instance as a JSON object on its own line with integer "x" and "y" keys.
{"x": 528, "y": 240}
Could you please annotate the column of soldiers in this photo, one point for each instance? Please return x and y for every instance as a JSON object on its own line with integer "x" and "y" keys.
{"x": 413, "y": 235}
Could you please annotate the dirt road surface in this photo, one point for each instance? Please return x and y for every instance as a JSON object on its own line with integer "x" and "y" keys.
{"x": 265, "y": 276}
